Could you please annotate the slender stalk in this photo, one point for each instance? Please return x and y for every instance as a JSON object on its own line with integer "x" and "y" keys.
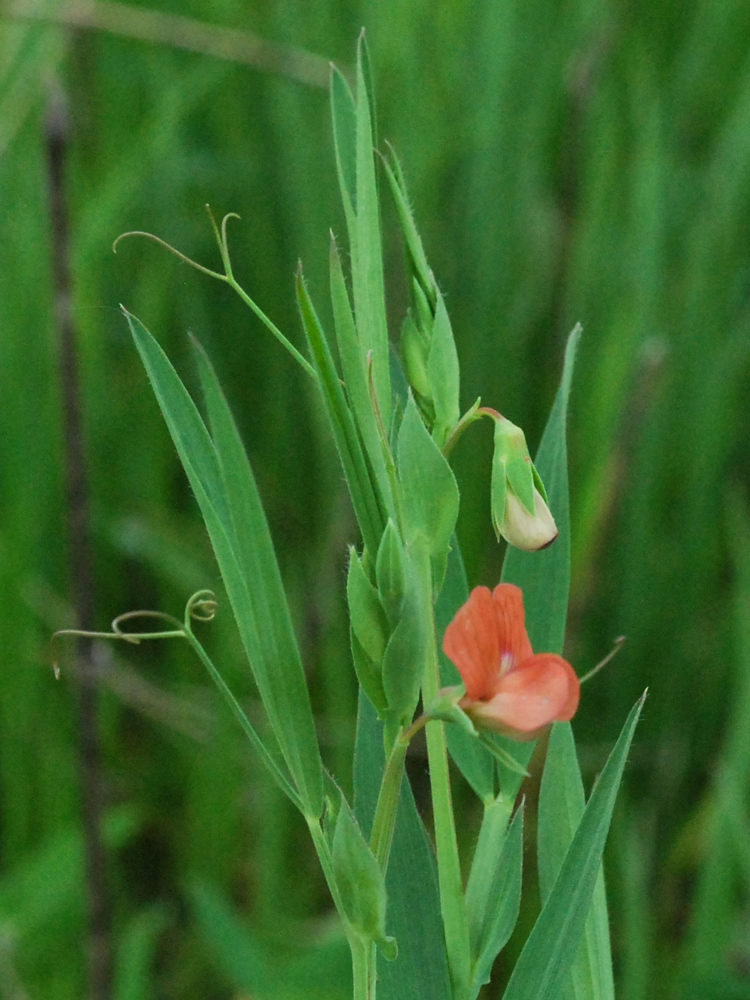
{"x": 363, "y": 961}
{"x": 386, "y": 809}
{"x": 452, "y": 903}
{"x": 363, "y": 952}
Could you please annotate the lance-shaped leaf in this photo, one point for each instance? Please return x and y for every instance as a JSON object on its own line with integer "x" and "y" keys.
{"x": 226, "y": 494}
{"x": 443, "y": 373}
{"x": 354, "y": 366}
{"x": 550, "y": 950}
{"x": 430, "y": 493}
{"x": 363, "y": 220}
{"x": 544, "y": 576}
{"x": 363, "y": 488}
{"x": 493, "y": 894}
{"x": 561, "y": 805}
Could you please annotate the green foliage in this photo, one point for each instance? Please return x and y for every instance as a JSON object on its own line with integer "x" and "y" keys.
{"x": 563, "y": 165}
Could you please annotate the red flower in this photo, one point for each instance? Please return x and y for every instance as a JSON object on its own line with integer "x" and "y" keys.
{"x": 508, "y": 687}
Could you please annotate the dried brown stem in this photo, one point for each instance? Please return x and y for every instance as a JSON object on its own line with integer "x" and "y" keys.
{"x": 81, "y": 563}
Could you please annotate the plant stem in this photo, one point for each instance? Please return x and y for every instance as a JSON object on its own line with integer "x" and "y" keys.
{"x": 386, "y": 809}
{"x": 363, "y": 958}
{"x": 363, "y": 952}
{"x": 452, "y": 904}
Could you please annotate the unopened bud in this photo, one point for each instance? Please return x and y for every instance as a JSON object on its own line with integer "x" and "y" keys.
{"x": 519, "y": 509}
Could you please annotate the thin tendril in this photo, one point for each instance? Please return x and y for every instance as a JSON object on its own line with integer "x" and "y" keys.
{"x": 202, "y": 606}
{"x": 619, "y": 643}
{"x": 174, "y": 250}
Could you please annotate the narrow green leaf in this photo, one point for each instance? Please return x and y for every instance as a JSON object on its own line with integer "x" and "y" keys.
{"x": 544, "y": 576}
{"x": 204, "y": 471}
{"x": 421, "y": 970}
{"x": 550, "y": 949}
{"x": 354, "y": 366}
{"x": 443, "y": 373}
{"x": 344, "y": 118}
{"x": 430, "y": 493}
{"x": 408, "y": 226}
{"x": 367, "y": 503}
{"x": 493, "y": 896}
{"x": 561, "y": 805}
{"x": 280, "y": 663}
{"x": 366, "y": 247}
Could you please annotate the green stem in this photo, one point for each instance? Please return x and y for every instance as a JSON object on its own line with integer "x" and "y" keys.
{"x": 386, "y": 809}
{"x": 363, "y": 952}
{"x": 363, "y": 958}
{"x": 452, "y": 903}
{"x": 269, "y": 324}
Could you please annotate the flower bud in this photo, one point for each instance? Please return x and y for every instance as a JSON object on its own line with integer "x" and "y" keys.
{"x": 519, "y": 508}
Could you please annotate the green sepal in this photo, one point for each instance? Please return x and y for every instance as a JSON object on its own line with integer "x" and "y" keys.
{"x": 444, "y": 375}
{"x": 431, "y": 498}
{"x": 365, "y": 610}
{"x": 360, "y": 882}
{"x": 539, "y": 484}
{"x": 368, "y": 675}
{"x": 446, "y": 708}
{"x": 390, "y": 573}
{"x": 498, "y": 495}
{"x": 521, "y": 480}
{"x": 511, "y": 451}
{"x": 412, "y": 238}
{"x": 403, "y": 662}
{"x": 425, "y": 317}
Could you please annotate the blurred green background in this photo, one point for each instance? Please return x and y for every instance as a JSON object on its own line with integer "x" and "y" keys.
{"x": 584, "y": 160}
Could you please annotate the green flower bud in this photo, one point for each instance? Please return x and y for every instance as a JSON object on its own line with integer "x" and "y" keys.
{"x": 390, "y": 572}
{"x": 519, "y": 509}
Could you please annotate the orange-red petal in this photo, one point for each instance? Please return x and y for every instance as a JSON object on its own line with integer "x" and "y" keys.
{"x": 508, "y": 601}
{"x": 472, "y": 642}
{"x": 541, "y": 690}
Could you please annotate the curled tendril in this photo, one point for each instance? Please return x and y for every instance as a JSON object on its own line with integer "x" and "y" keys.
{"x": 202, "y": 607}
{"x": 136, "y": 637}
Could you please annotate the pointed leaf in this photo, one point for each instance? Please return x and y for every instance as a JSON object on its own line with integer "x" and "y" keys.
{"x": 550, "y": 949}
{"x": 430, "y": 500}
{"x": 366, "y": 247}
{"x": 561, "y": 806}
{"x": 493, "y": 911}
{"x": 362, "y": 487}
{"x": 204, "y": 470}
